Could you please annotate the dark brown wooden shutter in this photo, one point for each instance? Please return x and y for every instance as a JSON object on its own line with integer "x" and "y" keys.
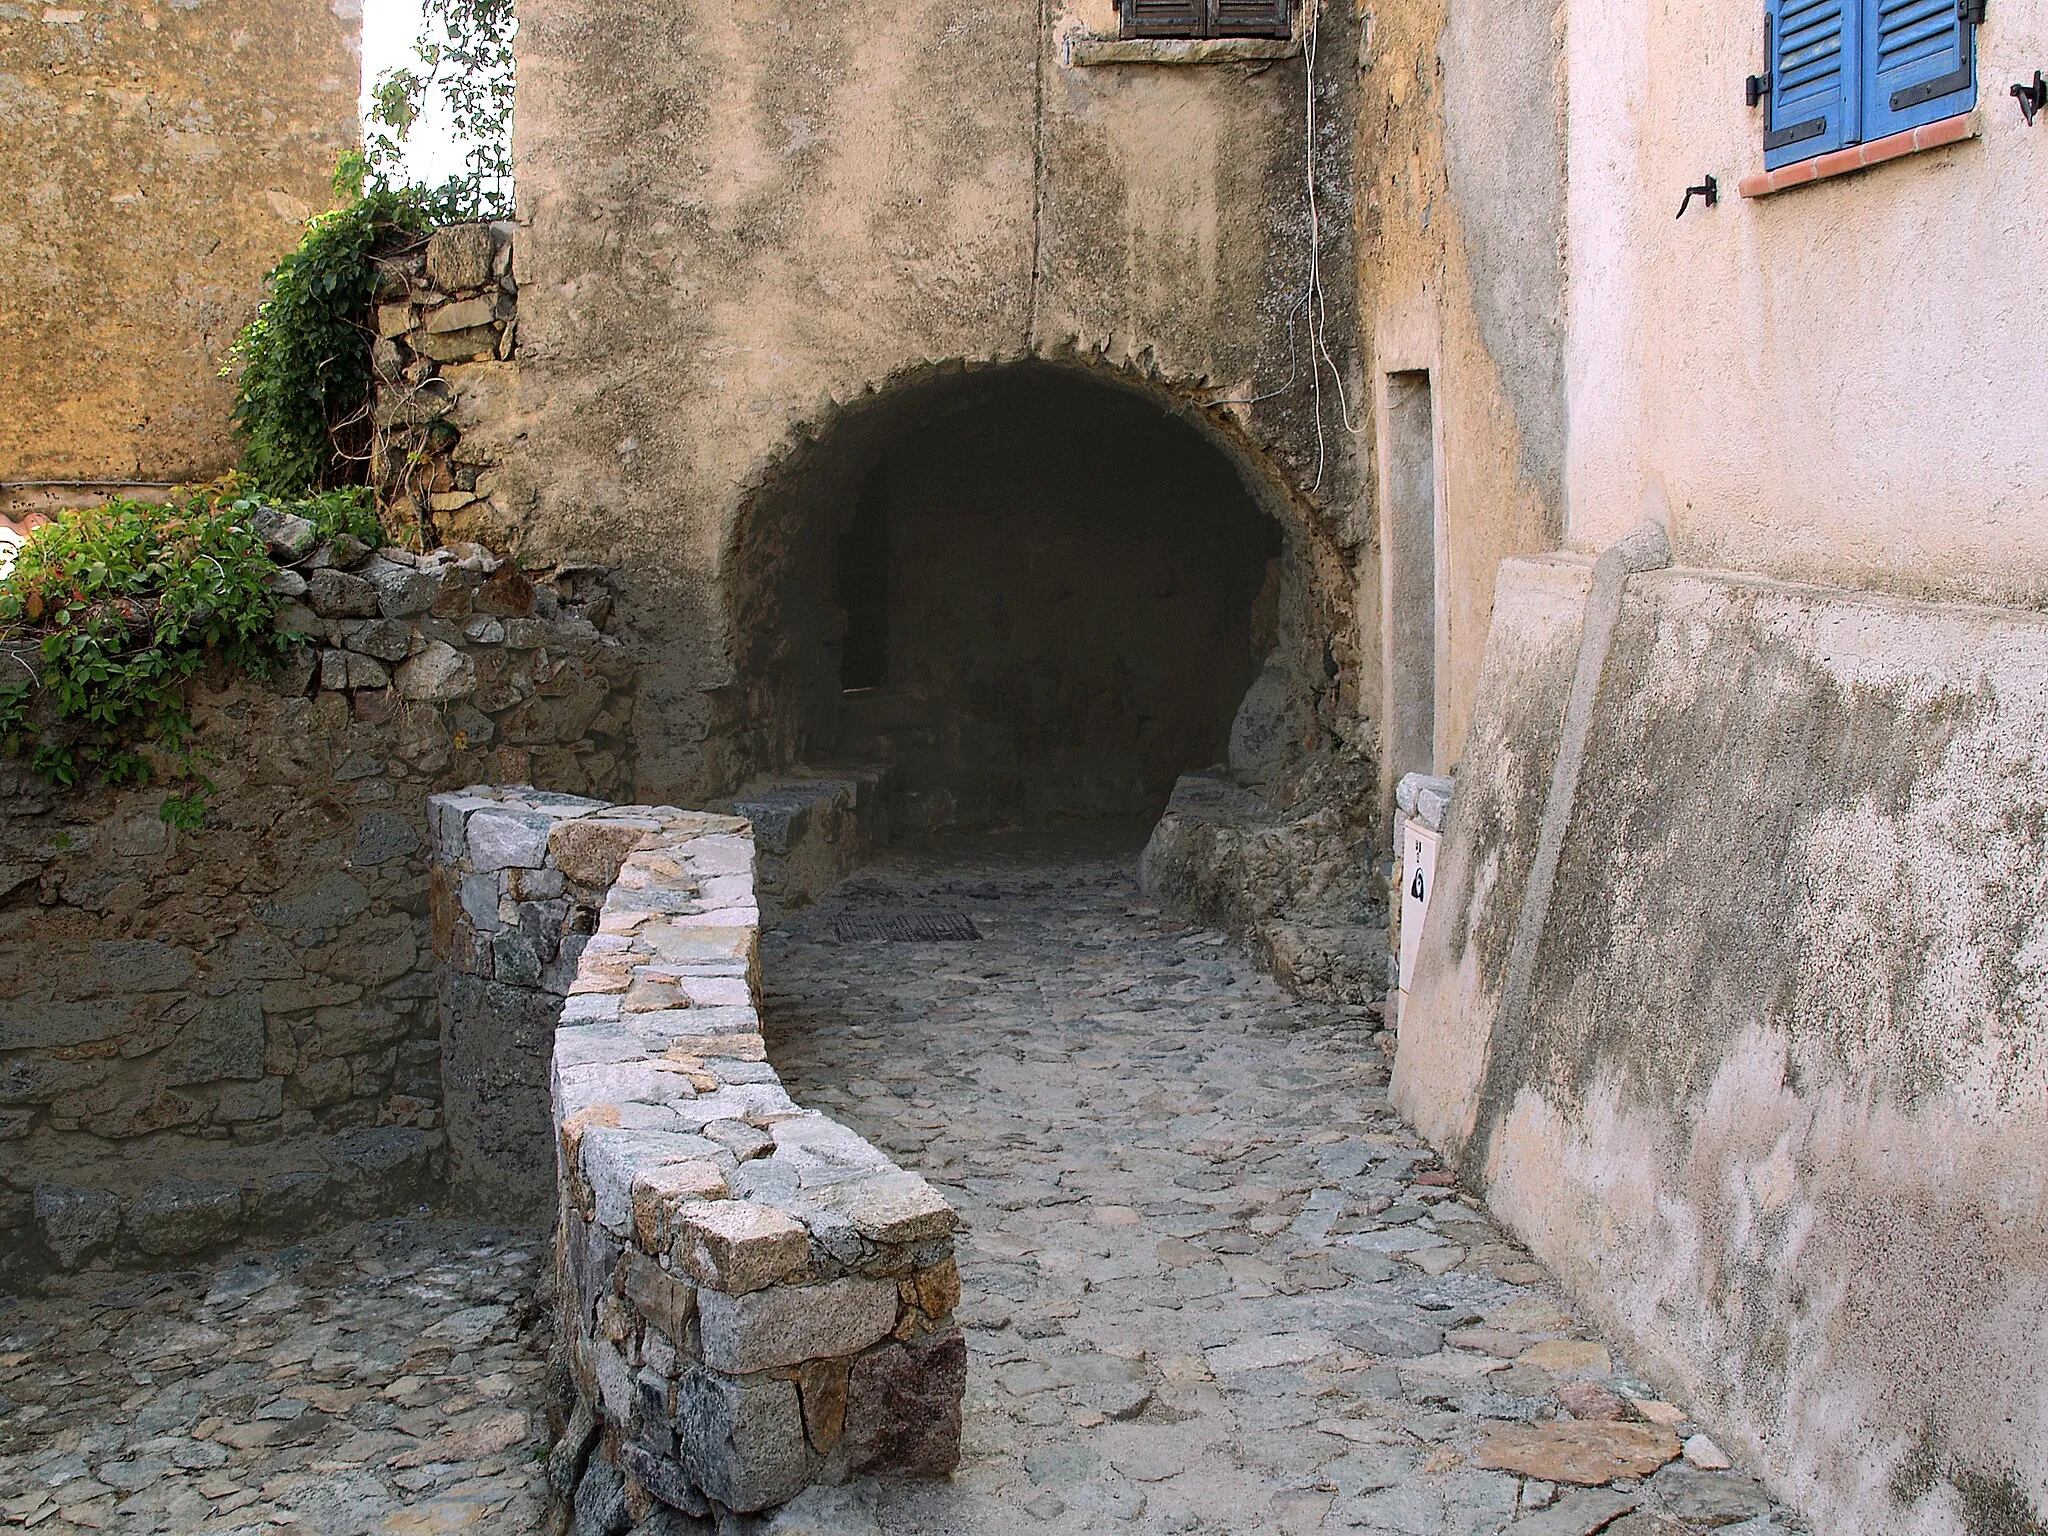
{"x": 1164, "y": 18}
{"x": 1251, "y": 18}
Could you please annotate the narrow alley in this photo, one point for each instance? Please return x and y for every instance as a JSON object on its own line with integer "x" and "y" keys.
{"x": 1211, "y": 1282}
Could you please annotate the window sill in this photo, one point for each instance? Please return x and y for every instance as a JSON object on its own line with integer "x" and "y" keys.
{"x": 1088, "y": 52}
{"x": 1857, "y": 157}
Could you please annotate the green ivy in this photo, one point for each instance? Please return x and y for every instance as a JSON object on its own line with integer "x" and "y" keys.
{"x": 303, "y": 394}
{"x": 109, "y": 612}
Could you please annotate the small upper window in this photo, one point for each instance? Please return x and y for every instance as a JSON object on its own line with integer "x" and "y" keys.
{"x": 1208, "y": 18}
{"x": 1845, "y": 72}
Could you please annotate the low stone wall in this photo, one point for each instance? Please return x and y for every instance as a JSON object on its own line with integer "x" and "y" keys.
{"x": 810, "y": 829}
{"x": 1297, "y": 883}
{"x": 752, "y": 1297}
{"x": 217, "y": 1034}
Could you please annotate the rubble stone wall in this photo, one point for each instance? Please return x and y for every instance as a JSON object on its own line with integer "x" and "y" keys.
{"x": 232, "y": 1031}
{"x": 752, "y": 1297}
{"x": 447, "y": 320}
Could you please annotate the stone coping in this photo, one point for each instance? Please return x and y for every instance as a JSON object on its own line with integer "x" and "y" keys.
{"x": 752, "y": 1297}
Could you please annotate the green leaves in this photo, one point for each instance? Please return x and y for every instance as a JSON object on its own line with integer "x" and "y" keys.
{"x": 110, "y": 611}
{"x": 465, "y": 50}
{"x": 302, "y": 398}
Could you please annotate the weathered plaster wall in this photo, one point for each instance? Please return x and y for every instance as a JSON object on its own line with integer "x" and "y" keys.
{"x": 1776, "y": 1107}
{"x": 234, "y": 1029}
{"x": 743, "y": 217}
{"x": 1819, "y": 384}
{"x": 155, "y": 162}
{"x": 1461, "y": 272}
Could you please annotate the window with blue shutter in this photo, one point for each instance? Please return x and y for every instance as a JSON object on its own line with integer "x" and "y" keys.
{"x": 1921, "y": 64}
{"x": 1844, "y": 72}
{"x": 1815, "y": 46}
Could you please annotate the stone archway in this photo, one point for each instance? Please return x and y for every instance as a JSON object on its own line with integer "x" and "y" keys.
{"x": 1035, "y": 590}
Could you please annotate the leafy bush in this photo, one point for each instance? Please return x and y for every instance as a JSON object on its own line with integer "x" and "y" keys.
{"x": 464, "y": 53}
{"x": 352, "y": 509}
{"x": 302, "y": 401}
{"x": 109, "y": 612}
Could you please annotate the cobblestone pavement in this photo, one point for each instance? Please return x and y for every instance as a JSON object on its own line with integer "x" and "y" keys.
{"x": 1214, "y": 1283}
{"x": 387, "y": 1379}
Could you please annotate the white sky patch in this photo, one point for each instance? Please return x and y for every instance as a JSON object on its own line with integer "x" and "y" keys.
{"x": 390, "y": 27}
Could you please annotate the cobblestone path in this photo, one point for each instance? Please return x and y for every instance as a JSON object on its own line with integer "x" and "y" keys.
{"x": 1213, "y": 1283}
{"x": 387, "y": 1379}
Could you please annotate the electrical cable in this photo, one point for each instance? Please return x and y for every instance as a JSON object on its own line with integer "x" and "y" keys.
{"x": 1313, "y": 304}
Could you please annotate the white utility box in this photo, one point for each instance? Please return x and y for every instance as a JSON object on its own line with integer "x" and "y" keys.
{"x": 1422, "y": 801}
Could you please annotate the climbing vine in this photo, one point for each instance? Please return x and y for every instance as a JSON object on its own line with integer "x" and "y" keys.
{"x": 109, "y": 612}
{"x": 303, "y": 392}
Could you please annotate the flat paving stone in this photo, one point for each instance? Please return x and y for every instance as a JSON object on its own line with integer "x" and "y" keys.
{"x": 384, "y": 1380}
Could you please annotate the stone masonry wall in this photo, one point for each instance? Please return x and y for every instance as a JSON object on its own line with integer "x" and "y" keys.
{"x": 447, "y": 320}
{"x": 752, "y": 1297}
{"x": 225, "y": 1032}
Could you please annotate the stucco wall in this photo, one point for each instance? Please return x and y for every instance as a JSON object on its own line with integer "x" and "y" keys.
{"x": 155, "y": 162}
{"x": 1821, "y": 384}
{"x": 743, "y": 217}
{"x": 1461, "y": 162}
{"x": 1775, "y": 1109}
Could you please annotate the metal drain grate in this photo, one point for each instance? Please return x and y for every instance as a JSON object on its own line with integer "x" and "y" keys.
{"x": 907, "y": 928}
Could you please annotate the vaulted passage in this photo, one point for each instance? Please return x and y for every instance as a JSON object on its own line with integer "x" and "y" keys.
{"x": 1036, "y": 596}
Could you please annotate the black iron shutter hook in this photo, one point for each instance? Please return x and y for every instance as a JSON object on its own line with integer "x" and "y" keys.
{"x": 1708, "y": 191}
{"x": 2032, "y": 98}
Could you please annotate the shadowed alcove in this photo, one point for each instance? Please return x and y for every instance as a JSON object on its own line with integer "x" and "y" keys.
{"x": 1032, "y": 594}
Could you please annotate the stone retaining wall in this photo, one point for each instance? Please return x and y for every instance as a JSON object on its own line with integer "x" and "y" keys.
{"x": 216, "y": 1034}
{"x": 752, "y": 1297}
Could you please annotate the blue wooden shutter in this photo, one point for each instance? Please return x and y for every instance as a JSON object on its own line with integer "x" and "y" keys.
{"x": 1814, "y": 47}
{"x": 1920, "y": 64}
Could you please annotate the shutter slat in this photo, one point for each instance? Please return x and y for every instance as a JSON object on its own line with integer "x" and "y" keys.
{"x": 1251, "y": 18}
{"x": 1814, "y": 49}
{"x": 1163, "y": 18}
{"x": 1923, "y": 65}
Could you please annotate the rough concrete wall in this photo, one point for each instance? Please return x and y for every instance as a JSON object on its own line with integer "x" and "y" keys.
{"x": 1818, "y": 384}
{"x": 1461, "y": 166}
{"x": 1776, "y": 1110}
{"x": 155, "y": 162}
{"x": 743, "y": 217}
{"x": 188, "y": 1019}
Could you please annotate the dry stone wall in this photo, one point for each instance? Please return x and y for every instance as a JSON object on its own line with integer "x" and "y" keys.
{"x": 231, "y": 1031}
{"x": 447, "y": 320}
{"x": 753, "y": 1298}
